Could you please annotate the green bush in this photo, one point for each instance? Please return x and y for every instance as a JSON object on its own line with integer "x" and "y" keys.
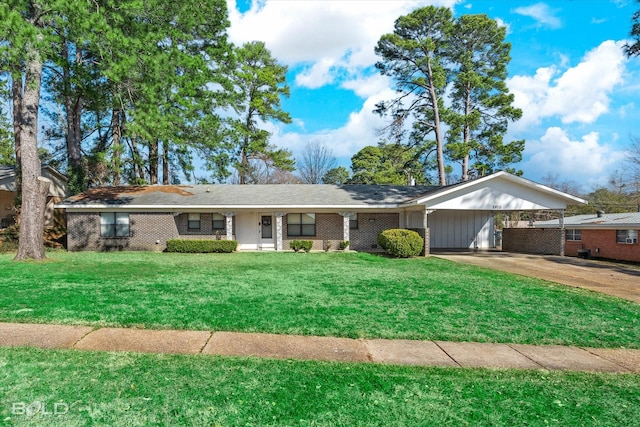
{"x": 201, "y": 246}
{"x": 344, "y": 244}
{"x": 401, "y": 243}
{"x": 301, "y": 245}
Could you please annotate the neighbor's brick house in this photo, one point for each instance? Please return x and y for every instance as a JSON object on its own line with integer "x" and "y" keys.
{"x": 600, "y": 235}
{"x": 268, "y": 217}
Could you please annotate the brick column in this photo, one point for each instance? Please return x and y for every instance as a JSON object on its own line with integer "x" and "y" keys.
{"x": 427, "y": 234}
{"x": 279, "y": 216}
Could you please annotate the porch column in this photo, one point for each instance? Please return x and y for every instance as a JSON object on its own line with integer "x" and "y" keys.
{"x": 279, "y": 216}
{"x": 228, "y": 216}
{"x": 345, "y": 226}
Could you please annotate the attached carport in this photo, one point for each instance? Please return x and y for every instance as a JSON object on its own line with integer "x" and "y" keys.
{"x": 462, "y": 216}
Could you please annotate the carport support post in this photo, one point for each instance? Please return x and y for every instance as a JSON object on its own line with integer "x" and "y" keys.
{"x": 279, "y": 216}
{"x": 228, "y": 216}
{"x": 562, "y": 232}
{"x": 427, "y": 236}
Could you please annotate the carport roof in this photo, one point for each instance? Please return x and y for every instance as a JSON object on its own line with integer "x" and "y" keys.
{"x": 614, "y": 220}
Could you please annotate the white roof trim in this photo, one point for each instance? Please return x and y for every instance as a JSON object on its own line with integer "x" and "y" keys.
{"x": 164, "y": 208}
{"x": 514, "y": 178}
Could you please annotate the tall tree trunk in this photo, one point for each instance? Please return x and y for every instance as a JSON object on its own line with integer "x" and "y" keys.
{"x": 34, "y": 188}
{"x": 437, "y": 129}
{"x": 466, "y": 134}
{"x": 73, "y": 106}
{"x": 165, "y": 163}
{"x": 153, "y": 161}
{"x": 116, "y": 149}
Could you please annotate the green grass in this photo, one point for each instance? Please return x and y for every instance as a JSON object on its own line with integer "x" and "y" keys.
{"x": 127, "y": 389}
{"x": 335, "y": 294}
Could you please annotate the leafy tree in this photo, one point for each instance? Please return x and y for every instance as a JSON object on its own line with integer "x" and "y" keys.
{"x": 414, "y": 56}
{"x": 315, "y": 162}
{"x": 634, "y": 48}
{"x": 25, "y": 31}
{"x": 481, "y": 102}
{"x": 336, "y": 176}
{"x": 259, "y": 83}
{"x": 386, "y": 164}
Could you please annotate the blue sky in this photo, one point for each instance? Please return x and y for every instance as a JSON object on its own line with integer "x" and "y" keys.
{"x": 579, "y": 94}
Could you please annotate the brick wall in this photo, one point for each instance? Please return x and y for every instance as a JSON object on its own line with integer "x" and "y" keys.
{"x": 541, "y": 241}
{"x": 329, "y": 227}
{"x": 602, "y": 244}
{"x": 365, "y": 238}
{"x": 148, "y": 232}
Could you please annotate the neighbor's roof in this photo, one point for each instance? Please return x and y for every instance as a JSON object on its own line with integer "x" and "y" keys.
{"x": 246, "y": 196}
{"x": 8, "y": 176}
{"x": 614, "y": 220}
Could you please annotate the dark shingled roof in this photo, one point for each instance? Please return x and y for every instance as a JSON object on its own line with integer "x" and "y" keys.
{"x": 249, "y": 195}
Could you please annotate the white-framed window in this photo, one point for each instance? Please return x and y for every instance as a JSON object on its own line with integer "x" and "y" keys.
{"x": 301, "y": 224}
{"x": 627, "y": 236}
{"x": 219, "y": 223}
{"x": 574, "y": 235}
{"x": 353, "y": 221}
{"x": 193, "y": 222}
{"x": 114, "y": 224}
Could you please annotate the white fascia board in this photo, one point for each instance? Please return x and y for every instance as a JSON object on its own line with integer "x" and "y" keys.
{"x": 196, "y": 208}
{"x": 508, "y": 176}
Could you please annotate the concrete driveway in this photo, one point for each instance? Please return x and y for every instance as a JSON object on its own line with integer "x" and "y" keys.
{"x": 607, "y": 277}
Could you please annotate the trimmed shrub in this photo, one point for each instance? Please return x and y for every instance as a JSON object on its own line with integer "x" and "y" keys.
{"x": 201, "y": 246}
{"x": 401, "y": 243}
{"x": 301, "y": 245}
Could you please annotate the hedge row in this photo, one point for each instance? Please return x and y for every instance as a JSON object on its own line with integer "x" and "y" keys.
{"x": 301, "y": 245}
{"x": 201, "y": 246}
{"x": 401, "y": 243}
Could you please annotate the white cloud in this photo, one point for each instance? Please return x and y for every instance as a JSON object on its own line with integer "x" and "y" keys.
{"x": 360, "y": 130}
{"x": 580, "y": 94}
{"x": 343, "y": 34}
{"x": 583, "y": 160}
{"x": 542, "y": 13}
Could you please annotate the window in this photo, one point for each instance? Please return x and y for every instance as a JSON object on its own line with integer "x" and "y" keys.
{"x": 627, "y": 236}
{"x": 194, "y": 222}
{"x": 114, "y": 224}
{"x": 301, "y": 224}
{"x": 353, "y": 221}
{"x": 219, "y": 223}
{"x": 575, "y": 235}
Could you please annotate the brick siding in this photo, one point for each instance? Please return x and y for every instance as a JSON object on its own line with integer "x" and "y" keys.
{"x": 541, "y": 241}
{"x": 365, "y": 238}
{"x": 602, "y": 244}
{"x": 149, "y": 231}
{"x": 329, "y": 228}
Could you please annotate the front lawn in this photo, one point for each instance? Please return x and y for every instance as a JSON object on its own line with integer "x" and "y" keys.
{"x": 73, "y": 388}
{"x": 337, "y": 294}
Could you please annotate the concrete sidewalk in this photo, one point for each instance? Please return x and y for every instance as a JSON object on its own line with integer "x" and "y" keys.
{"x": 401, "y": 352}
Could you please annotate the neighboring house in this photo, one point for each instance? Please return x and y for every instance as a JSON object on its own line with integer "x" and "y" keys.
{"x": 57, "y": 193}
{"x": 600, "y": 235}
{"x": 268, "y": 217}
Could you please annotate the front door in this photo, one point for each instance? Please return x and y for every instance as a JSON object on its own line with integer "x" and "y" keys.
{"x": 266, "y": 232}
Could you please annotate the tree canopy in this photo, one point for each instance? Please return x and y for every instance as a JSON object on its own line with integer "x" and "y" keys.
{"x": 450, "y": 74}
{"x": 633, "y": 49}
